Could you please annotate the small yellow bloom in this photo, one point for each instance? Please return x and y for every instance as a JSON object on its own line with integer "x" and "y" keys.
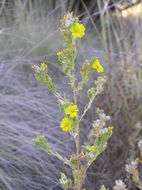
{"x": 97, "y": 66}
{"x": 60, "y": 53}
{"x": 110, "y": 128}
{"x": 69, "y": 182}
{"x": 71, "y": 110}
{"x": 66, "y": 50}
{"x": 91, "y": 148}
{"x": 66, "y": 124}
{"x": 77, "y": 30}
{"x": 64, "y": 17}
{"x": 76, "y": 19}
{"x": 61, "y": 21}
{"x": 43, "y": 65}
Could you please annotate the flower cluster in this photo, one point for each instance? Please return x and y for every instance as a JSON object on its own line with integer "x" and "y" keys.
{"x": 94, "y": 91}
{"x": 67, "y": 20}
{"x": 96, "y": 65}
{"x": 99, "y": 134}
{"x": 87, "y": 67}
{"x": 99, "y": 124}
{"x": 71, "y": 113}
{"x": 71, "y": 29}
{"x": 42, "y": 76}
{"x": 132, "y": 169}
{"x": 100, "y": 83}
{"x": 120, "y": 185}
{"x": 70, "y": 26}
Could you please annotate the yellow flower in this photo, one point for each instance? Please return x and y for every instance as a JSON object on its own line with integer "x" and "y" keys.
{"x": 77, "y": 30}
{"x": 69, "y": 182}
{"x": 71, "y": 110}
{"x": 66, "y": 124}
{"x": 60, "y": 53}
{"x": 43, "y": 65}
{"x": 61, "y": 21}
{"x": 97, "y": 66}
{"x": 64, "y": 17}
{"x": 110, "y": 128}
{"x": 91, "y": 148}
{"x": 76, "y": 19}
{"x": 66, "y": 50}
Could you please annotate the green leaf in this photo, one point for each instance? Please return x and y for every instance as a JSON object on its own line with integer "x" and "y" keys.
{"x": 91, "y": 93}
{"x": 65, "y": 182}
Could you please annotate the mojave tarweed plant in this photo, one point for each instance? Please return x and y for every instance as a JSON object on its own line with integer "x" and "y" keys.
{"x": 86, "y": 154}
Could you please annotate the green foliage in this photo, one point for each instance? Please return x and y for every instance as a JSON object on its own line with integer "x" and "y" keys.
{"x": 42, "y": 76}
{"x": 103, "y": 188}
{"x": 65, "y": 182}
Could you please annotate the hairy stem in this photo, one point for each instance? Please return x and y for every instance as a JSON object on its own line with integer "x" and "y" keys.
{"x": 77, "y": 138}
{"x": 86, "y": 109}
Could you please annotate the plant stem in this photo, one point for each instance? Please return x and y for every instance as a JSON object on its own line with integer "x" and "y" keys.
{"x": 86, "y": 109}
{"x": 74, "y": 88}
{"x": 77, "y": 138}
{"x": 77, "y": 152}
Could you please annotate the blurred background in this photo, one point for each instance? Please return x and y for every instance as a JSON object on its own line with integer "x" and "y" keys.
{"x": 29, "y": 34}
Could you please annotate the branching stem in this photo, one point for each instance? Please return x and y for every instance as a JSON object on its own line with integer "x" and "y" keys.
{"x": 77, "y": 137}
{"x": 86, "y": 109}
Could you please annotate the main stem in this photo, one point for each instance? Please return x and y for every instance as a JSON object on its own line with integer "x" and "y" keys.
{"x": 77, "y": 138}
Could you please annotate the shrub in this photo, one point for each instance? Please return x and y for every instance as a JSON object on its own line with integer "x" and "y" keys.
{"x": 80, "y": 161}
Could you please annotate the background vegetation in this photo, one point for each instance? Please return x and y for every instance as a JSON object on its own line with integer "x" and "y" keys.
{"x": 29, "y": 35}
